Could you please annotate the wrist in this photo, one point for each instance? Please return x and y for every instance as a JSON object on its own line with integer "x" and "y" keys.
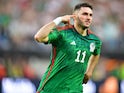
{"x": 58, "y": 20}
{"x": 88, "y": 74}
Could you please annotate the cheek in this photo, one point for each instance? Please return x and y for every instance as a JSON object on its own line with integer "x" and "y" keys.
{"x": 82, "y": 18}
{"x": 91, "y": 19}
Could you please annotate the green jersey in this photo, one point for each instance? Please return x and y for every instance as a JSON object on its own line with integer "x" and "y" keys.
{"x": 69, "y": 59}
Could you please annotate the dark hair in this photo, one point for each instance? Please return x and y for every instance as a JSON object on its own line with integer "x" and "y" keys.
{"x": 78, "y": 6}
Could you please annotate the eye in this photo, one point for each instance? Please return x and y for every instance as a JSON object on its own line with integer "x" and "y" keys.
{"x": 91, "y": 14}
{"x": 84, "y": 13}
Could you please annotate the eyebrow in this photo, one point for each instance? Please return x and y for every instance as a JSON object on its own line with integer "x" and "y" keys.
{"x": 85, "y": 13}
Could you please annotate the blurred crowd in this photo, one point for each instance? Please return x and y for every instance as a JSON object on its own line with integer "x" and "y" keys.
{"x": 21, "y": 19}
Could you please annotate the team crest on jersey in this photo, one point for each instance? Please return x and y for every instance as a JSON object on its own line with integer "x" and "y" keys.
{"x": 92, "y": 47}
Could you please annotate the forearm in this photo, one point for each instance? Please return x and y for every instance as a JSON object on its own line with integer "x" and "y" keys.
{"x": 44, "y": 31}
{"x": 92, "y": 64}
{"x": 42, "y": 34}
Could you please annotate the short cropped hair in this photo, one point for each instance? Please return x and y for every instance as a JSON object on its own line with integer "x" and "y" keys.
{"x": 78, "y": 6}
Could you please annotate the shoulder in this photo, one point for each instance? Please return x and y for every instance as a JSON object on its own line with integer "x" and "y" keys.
{"x": 94, "y": 36}
{"x": 64, "y": 28}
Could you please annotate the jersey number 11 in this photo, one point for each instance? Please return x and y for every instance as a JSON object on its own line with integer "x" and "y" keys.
{"x": 82, "y": 55}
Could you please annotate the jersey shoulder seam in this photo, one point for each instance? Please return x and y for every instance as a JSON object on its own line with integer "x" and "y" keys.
{"x": 66, "y": 27}
{"x": 91, "y": 32}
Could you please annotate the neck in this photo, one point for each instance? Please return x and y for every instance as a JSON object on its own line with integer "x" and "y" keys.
{"x": 81, "y": 30}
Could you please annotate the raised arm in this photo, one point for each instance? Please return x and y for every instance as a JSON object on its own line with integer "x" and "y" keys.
{"x": 42, "y": 34}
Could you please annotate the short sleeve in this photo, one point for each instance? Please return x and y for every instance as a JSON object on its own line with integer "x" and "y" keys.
{"x": 97, "y": 48}
{"x": 54, "y": 36}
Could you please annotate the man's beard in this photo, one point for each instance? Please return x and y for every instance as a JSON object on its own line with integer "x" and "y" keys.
{"x": 81, "y": 25}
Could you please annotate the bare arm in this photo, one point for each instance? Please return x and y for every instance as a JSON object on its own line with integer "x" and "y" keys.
{"x": 91, "y": 66}
{"x": 42, "y": 34}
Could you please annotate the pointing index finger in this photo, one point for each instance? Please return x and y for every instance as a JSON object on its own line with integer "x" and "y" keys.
{"x": 72, "y": 16}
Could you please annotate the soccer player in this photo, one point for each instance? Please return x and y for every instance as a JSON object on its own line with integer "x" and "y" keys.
{"x": 75, "y": 51}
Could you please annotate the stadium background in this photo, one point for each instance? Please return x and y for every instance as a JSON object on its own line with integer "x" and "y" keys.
{"x": 23, "y": 60}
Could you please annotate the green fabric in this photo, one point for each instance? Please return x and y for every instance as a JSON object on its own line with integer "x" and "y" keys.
{"x": 71, "y": 52}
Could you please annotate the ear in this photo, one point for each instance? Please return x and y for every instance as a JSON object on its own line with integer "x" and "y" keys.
{"x": 75, "y": 12}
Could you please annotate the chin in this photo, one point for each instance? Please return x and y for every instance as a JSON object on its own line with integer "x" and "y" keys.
{"x": 86, "y": 26}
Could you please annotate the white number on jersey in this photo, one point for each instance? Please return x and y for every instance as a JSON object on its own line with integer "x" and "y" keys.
{"x": 82, "y": 55}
